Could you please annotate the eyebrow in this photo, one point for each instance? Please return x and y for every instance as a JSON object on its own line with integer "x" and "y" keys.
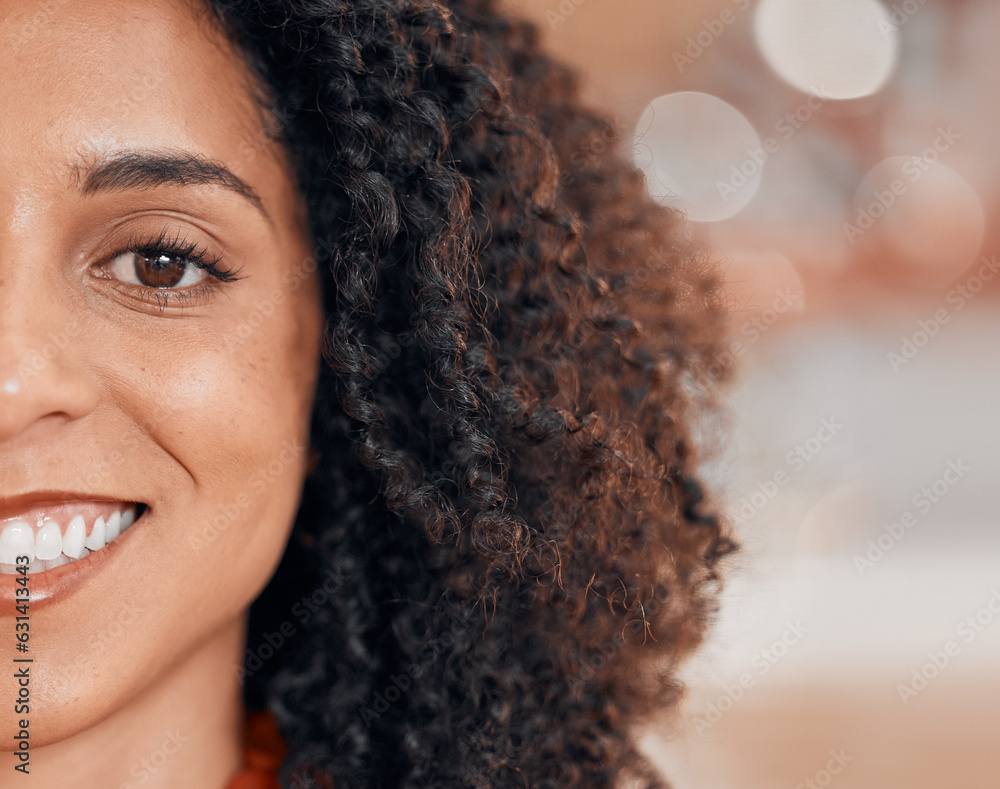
{"x": 152, "y": 169}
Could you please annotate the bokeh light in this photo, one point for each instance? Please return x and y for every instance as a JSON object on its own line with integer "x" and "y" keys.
{"x": 840, "y": 49}
{"x": 928, "y": 215}
{"x": 848, "y": 302}
{"x": 699, "y": 154}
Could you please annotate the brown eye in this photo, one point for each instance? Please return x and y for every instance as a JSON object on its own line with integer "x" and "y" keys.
{"x": 162, "y": 270}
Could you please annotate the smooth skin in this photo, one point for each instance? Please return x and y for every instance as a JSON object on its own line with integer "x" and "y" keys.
{"x": 193, "y": 398}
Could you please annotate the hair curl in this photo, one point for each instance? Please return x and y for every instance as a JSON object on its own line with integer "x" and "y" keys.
{"x": 505, "y": 499}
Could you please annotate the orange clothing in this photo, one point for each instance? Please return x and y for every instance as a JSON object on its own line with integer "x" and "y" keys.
{"x": 263, "y": 753}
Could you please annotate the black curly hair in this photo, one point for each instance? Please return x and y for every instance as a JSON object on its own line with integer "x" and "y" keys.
{"x": 503, "y": 549}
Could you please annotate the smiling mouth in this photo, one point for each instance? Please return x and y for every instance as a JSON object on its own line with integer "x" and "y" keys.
{"x": 54, "y": 535}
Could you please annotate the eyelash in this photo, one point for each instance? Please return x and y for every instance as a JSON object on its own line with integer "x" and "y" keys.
{"x": 186, "y": 251}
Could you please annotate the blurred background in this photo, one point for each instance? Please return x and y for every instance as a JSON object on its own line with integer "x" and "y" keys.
{"x": 841, "y": 159}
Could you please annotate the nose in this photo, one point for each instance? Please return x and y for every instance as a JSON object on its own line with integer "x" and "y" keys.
{"x": 41, "y": 381}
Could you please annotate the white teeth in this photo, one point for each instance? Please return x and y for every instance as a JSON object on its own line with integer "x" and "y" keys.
{"x": 76, "y": 533}
{"x": 48, "y": 547}
{"x": 97, "y": 538}
{"x": 48, "y": 541}
{"x": 113, "y": 527}
{"x": 16, "y": 539}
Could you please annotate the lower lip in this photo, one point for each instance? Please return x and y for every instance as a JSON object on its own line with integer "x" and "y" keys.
{"x": 59, "y": 583}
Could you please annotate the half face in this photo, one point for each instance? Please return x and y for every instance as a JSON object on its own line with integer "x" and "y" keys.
{"x": 159, "y": 345}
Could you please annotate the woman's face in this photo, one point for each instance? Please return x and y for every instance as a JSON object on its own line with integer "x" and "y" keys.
{"x": 131, "y": 146}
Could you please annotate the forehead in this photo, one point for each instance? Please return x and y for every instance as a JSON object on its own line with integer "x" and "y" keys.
{"x": 92, "y": 76}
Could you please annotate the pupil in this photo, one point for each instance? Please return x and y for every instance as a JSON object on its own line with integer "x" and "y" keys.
{"x": 162, "y": 271}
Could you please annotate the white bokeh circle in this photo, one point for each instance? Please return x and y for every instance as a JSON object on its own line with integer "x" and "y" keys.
{"x": 839, "y": 49}
{"x": 699, "y": 154}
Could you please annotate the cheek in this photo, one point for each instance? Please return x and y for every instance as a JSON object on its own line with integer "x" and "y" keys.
{"x": 235, "y": 402}
{"x": 253, "y": 437}
{"x": 215, "y": 431}
{"x": 228, "y": 413}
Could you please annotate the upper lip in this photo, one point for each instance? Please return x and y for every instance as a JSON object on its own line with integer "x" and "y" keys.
{"x": 15, "y": 505}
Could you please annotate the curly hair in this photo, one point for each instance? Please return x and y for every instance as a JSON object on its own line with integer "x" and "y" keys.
{"x": 504, "y": 545}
